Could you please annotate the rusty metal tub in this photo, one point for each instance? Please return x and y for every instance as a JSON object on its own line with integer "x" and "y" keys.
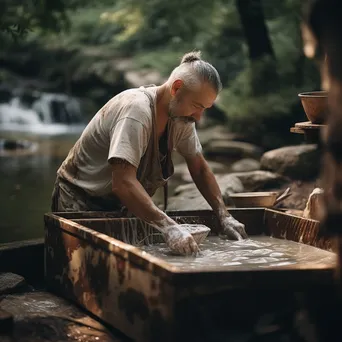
{"x": 150, "y": 300}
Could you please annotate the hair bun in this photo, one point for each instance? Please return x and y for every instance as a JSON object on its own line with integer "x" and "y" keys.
{"x": 191, "y": 57}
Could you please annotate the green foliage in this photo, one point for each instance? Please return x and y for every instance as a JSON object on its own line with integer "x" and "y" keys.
{"x": 18, "y": 17}
{"x": 87, "y": 29}
{"x": 156, "y": 33}
{"x": 276, "y": 107}
{"x": 163, "y": 60}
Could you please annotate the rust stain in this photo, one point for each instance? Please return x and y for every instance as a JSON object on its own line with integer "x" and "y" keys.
{"x": 69, "y": 168}
{"x": 129, "y": 293}
{"x": 120, "y": 267}
{"x": 104, "y": 109}
{"x": 153, "y": 285}
{"x": 133, "y": 304}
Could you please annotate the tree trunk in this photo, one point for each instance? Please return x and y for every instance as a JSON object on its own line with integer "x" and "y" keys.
{"x": 255, "y": 29}
{"x": 261, "y": 54}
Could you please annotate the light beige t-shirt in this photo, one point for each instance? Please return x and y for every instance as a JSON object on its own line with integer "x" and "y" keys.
{"x": 120, "y": 129}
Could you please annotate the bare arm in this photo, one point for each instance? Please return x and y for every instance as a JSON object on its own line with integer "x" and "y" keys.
{"x": 207, "y": 184}
{"x": 132, "y": 194}
{"x": 208, "y": 187}
{"x": 128, "y": 141}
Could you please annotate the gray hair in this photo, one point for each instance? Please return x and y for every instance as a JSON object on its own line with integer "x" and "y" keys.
{"x": 193, "y": 70}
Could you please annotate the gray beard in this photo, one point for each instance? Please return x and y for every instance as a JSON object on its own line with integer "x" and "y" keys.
{"x": 186, "y": 119}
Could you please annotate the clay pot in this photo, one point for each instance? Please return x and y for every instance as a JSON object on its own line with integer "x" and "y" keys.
{"x": 315, "y": 104}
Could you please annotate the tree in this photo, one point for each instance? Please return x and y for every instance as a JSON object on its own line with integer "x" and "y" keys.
{"x": 261, "y": 54}
{"x": 17, "y": 17}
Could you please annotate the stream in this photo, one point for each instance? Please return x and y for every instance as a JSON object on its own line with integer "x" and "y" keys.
{"x": 26, "y": 183}
{"x": 49, "y": 124}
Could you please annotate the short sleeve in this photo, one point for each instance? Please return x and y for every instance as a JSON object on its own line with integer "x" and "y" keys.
{"x": 189, "y": 143}
{"x": 128, "y": 141}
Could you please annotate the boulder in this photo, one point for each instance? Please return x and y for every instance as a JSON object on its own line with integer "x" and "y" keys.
{"x": 297, "y": 162}
{"x": 137, "y": 78}
{"x": 259, "y": 180}
{"x": 181, "y": 170}
{"x": 187, "y": 197}
{"x": 245, "y": 165}
{"x": 300, "y": 193}
{"x": 232, "y": 149}
{"x": 213, "y": 133}
{"x": 11, "y": 282}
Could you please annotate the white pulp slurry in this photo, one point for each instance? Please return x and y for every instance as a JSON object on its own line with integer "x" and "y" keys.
{"x": 256, "y": 253}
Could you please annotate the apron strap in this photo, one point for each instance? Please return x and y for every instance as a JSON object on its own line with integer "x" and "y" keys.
{"x": 166, "y": 190}
{"x": 166, "y": 195}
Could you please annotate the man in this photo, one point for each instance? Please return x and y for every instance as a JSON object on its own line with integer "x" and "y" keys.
{"x": 124, "y": 154}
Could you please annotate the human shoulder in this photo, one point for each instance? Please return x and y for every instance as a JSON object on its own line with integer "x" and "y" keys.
{"x": 184, "y": 129}
{"x": 136, "y": 98}
{"x": 186, "y": 140}
{"x": 137, "y": 105}
{"x": 130, "y": 104}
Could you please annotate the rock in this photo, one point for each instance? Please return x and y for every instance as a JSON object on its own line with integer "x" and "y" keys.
{"x": 233, "y": 149}
{"x": 227, "y": 182}
{"x": 259, "y": 180}
{"x": 181, "y": 170}
{"x": 297, "y": 162}
{"x": 245, "y": 165}
{"x": 300, "y": 192}
{"x": 214, "y": 133}
{"x": 212, "y": 116}
{"x": 10, "y": 282}
{"x": 189, "y": 198}
{"x": 10, "y": 147}
{"x": 6, "y": 322}
{"x": 183, "y": 203}
{"x": 137, "y": 78}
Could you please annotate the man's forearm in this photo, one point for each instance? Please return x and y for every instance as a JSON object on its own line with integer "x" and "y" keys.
{"x": 207, "y": 185}
{"x": 135, "y": 198}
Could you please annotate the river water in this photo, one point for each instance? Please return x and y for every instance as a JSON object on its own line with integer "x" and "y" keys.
{"x": 26, "y": 183}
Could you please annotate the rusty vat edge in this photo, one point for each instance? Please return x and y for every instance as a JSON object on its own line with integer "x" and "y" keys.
{"x": 172, "y": 273}
{"x": 112, "y": 245}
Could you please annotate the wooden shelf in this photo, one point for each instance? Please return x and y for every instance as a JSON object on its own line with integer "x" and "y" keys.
{"x": 310, "y": 130}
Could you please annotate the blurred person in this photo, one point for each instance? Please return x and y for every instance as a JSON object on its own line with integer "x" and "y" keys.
{"x": 124, "y": 154}
{"x": 323, "y": 41}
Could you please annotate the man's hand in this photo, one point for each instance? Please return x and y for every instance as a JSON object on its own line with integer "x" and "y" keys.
{"x": 180, "y": 241}
{"x": 207, "y": 185}
{"x": 232, "y": 229}
{"x": 132, "y": 194}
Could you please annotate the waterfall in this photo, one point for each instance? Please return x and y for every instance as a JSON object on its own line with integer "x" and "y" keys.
{"x": 40, "y": 112}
